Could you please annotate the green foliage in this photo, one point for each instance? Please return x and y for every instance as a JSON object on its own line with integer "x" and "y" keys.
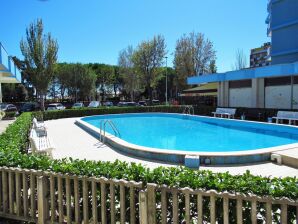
{"x": 40, "y": 55}
{"x": 15, "y": 138}
{"x": 160, "y": 83}
{"x": 49, "y": 115}
{"x": 131, "y": 79}
{"x": 147, "y": 58}
{"x": 9, "y": 115}
{"x": 77, "y": 80}
{"x": 107, "y": 78}
{"x": 194, "y": 55}
{"x": 2, "y": 114}
{"x": 14, "y": 92}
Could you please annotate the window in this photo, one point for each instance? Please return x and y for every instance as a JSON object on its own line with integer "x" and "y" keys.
{"x": 279, "y": 81}
{"x": 240, "y": 83}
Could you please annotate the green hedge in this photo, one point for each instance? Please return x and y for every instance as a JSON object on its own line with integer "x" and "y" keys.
{"x": 57, "y": 114}
{"x": 14, "y": 142}
{"x": 259, "y": 114}
{"x": 10, "y": 115}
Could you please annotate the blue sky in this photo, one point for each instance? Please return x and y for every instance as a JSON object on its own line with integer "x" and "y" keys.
{"x": 96, "y": 30}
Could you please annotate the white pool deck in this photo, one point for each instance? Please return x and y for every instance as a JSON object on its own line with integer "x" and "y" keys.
{"x": 4, "y": 124}
{"x": 72, "y": 141}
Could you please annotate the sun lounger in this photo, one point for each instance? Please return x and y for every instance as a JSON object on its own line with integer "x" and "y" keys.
{"x": 40, "y": 144}
{"x": 39, "y": 127}
{"x": 291, "y": 116}
{"x": 224, "y": 112}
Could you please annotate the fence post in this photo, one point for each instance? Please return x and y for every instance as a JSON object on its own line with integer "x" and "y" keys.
{"x": 42, "y": 199}
{"x": 151, "y": 197}
{"x": 226, "y": 207}
{"x": 143, "y": 207}
{"x": 212, "y": 207}
{"x": 239, "y": 209}
{"x": 284, "y": 212}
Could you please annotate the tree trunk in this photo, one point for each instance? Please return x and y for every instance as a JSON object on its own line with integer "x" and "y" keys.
{"x": 102, "y": 92}
{"x": 115, "y": 90}
{"x": 62, "y": 95}
{"x": 150, "y": 94}
{"x": 42, "y": 102}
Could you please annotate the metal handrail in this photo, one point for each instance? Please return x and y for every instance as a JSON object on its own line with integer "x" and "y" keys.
{"x": 103, "y": 124}
{"x": 11, "y": 65}
{"x": 189, "y": 110}
{"x": 1, "y": 45}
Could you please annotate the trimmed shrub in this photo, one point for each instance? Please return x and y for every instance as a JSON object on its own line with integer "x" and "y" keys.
{"x": 9, "y": 115}
{"x": 259, "y": 114}
{"x": 2, "y": 114}
{"x": 57, "y": 114}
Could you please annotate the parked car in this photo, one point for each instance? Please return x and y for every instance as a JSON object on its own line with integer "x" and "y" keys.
{"x": 108, "y": 104}
{"x": 8, "y": 108}
{"x": 142, "y": 103}
{"x": 77, "y": 105}
{"x": 132, "y": 104}
{"x": 2, "y": 105}
{"x": 55, "y": 106}
{"x": 128, "y": 104}
{"x": 122, "y": 104}
{"x": 94, "y": 104}
{"x": 30, "y": 106}
{"x": 155, "y": 102}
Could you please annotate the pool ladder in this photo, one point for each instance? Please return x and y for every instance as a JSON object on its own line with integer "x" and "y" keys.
{"x": 189, "y": 110}
{"x": 103, "y": 124}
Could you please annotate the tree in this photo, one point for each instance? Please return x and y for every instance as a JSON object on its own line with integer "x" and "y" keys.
{"x": 194, "y": 55}
{"x": 160, "y": 84}
{"x": 14, "y": 92}
{"x": 149, "y": 56}
{"x": 241, "y": 61}
{"x": 53, "y": 88}
{"x": 116, "y": 80}
{"x": 85, "y": 80}
{"x": 128, "y": 72}
{"x": 40, "y": 55}
{"x": 63, "y": 73}
{"x": 212, "y": 67}
{"x": 108, "y": 80}
{"x": 75, "y": 80}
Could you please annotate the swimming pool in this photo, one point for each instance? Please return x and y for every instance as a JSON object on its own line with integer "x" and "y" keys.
{"x": 169, "y": 136}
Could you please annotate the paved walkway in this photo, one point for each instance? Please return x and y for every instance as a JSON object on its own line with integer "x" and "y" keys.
{"x": 4, "y": 124}
{"x": 72, "y": 141}
{"x": 289, "y": 157}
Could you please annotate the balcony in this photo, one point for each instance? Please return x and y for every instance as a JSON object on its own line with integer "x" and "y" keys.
{"x": 9, "y": 73}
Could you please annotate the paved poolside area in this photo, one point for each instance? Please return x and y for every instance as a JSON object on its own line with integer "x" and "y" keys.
{"x": 4, "y": 124}
{"x": 72, "y": 141}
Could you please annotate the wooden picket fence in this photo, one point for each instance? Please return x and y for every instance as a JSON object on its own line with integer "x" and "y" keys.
{"x": 46, "y": 197}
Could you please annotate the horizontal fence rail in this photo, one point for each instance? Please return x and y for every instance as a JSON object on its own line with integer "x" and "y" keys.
{"x": 46, "y": 197}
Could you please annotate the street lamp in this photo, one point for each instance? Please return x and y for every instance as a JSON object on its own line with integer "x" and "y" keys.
{"x": 166, "y": 80}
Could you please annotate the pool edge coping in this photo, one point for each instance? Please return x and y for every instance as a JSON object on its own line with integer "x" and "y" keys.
{"x": 144, "y": 149}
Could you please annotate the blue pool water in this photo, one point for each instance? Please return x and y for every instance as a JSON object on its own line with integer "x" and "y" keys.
{"x": 195, "y": 133}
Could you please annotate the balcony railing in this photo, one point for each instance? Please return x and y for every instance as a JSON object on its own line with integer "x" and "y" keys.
{"x": 4, "y": 58}
{"x": 7, "y": 65}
